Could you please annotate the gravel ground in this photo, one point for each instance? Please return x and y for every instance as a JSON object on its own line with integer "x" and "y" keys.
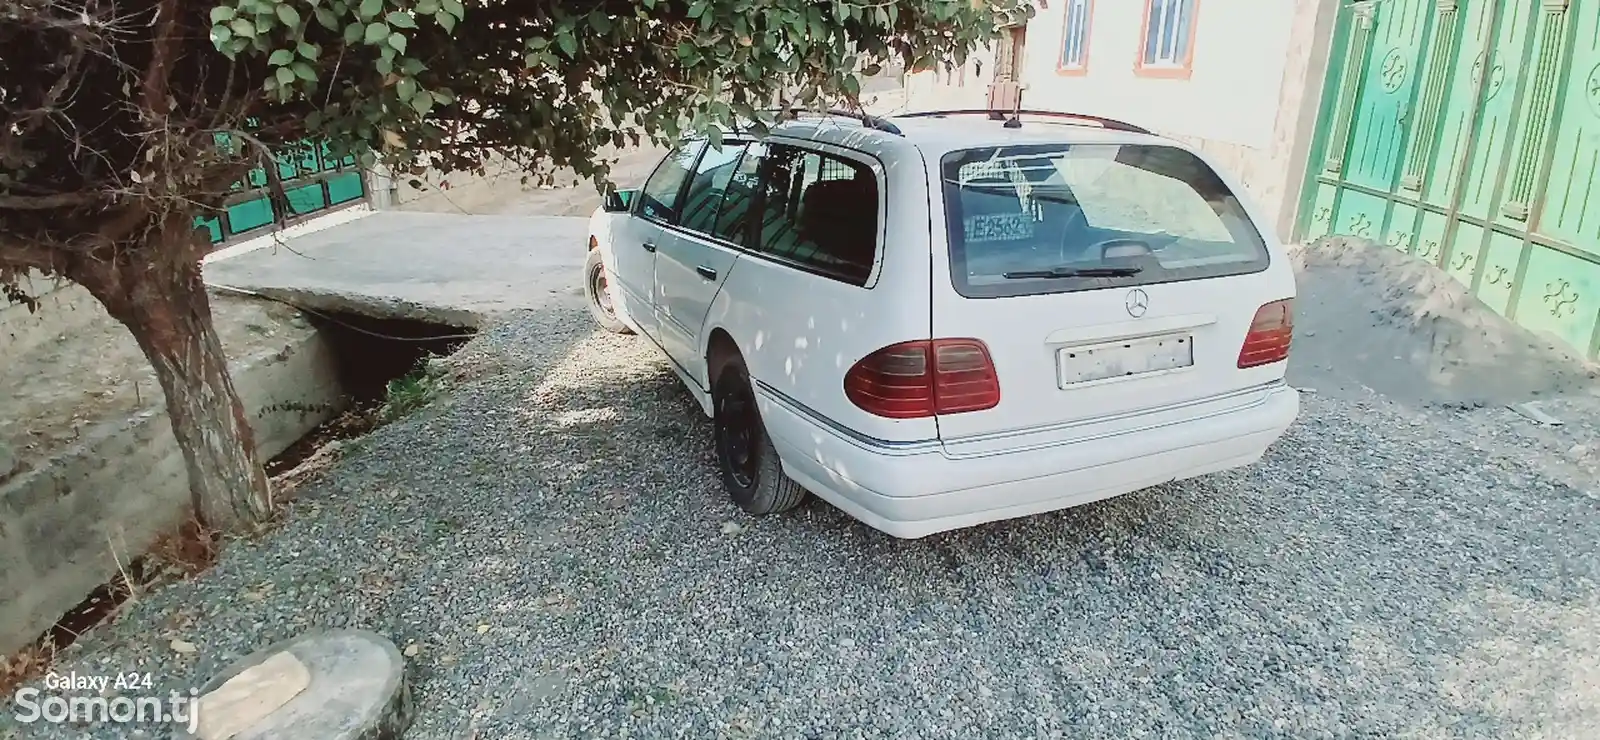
{"x": 552, "y": 538}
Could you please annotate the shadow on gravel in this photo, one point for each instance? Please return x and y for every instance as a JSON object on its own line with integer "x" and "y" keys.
{"x": 551, "y": 546}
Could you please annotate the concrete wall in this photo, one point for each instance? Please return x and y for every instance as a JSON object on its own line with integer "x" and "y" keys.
{"x": 63, "y": 307}
{"x": 67, "y": 522}
{"x": 1255, "y": 66}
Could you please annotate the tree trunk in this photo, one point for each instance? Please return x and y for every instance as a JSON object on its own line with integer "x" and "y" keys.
{"x": 165, "y": 306}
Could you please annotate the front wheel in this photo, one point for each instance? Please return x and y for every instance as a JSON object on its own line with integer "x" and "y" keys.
{"x": 751, "y": 472}
{"x": 595, "y": 283}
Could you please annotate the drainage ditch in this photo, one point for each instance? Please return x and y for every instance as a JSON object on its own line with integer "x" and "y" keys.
{"x": 382, "y": 370}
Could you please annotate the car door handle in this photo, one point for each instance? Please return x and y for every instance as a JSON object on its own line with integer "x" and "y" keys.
{"x": 706, "y": 272}
{"x": 648, "y": 246}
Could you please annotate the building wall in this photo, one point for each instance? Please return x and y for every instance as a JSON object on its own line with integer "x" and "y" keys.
{"x": 1254, "y": 66}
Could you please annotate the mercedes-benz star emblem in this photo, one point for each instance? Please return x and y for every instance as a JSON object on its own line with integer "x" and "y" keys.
{"x": 1137, "y": 302}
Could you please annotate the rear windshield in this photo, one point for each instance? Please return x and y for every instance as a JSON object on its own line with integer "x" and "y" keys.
{"x": 1055, "y": 218}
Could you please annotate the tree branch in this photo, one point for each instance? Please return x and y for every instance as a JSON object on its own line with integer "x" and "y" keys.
{"x": 159, "y": 72}
{"x": 45, "y": 202}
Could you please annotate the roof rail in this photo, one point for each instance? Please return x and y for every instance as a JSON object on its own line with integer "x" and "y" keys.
{"x": 998, "y": 114}
{"x": 868, "y": 120}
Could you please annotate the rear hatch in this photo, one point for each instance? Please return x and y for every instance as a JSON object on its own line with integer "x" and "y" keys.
{"x": 1110, "y": 284}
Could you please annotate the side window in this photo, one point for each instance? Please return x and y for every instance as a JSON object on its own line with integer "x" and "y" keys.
{"x": 711, "y": 178}
{"x": 659, "y": 199}
{"x": 818, "y": 211}
{"x": 737, "y": 215}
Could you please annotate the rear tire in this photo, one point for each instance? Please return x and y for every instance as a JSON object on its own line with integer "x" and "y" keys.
{"x": 595, "y": 280}
{"x": 751, "y": 471}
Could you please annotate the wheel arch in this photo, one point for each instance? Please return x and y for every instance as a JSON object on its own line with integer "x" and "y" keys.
{"x": 720, "y": 348}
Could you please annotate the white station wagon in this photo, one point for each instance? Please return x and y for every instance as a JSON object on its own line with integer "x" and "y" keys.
{"x": 942, "y": 319}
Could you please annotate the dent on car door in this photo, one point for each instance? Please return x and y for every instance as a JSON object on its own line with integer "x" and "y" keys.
{"x": 691, "y": 265}
{"x": 637, "y": 250}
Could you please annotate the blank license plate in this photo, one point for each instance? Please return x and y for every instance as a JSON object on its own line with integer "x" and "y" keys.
{"x": 1076, "y": 365}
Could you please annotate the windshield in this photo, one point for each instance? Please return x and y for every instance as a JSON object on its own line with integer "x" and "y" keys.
{"x": 1053, "y": 218}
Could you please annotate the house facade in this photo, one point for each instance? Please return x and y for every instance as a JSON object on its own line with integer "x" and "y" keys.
{"x": 1239, "y": 79}
{"x": 1463, "y": 132}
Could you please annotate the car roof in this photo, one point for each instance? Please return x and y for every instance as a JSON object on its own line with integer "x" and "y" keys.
{"x": 934, "y": 136}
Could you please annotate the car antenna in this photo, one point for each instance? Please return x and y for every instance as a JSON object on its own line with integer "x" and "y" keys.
{"x": 1016, "y": 114}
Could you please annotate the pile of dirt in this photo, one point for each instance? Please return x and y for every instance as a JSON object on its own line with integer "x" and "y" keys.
{"x": 1369, "y": 317}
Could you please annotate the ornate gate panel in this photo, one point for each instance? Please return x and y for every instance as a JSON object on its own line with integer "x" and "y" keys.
{"x": 1467, "y": 133}
{"x": 313, "y": 180}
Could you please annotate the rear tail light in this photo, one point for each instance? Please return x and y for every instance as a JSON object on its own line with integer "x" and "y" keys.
{"x": 919, "y": 379}
{"x": 1270, "y": 332}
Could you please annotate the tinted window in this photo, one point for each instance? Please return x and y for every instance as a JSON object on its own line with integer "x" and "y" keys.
{"x": 659, "y": 199}
{"x": 1157, "y": 212}
{"x": 818, "y": 211}
{"x": 736, "y": 217}
{"x": 711, "y": 178}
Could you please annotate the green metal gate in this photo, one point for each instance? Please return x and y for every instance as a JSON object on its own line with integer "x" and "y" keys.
{"x": 1467, "y": 133}
{"x": 313, "y": 180}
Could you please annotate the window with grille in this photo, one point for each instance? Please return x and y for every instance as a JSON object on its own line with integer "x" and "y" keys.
{"x": 1075, "y": 35}
{"x": 1168, "y": 34}
{"x": 817, "y": 212}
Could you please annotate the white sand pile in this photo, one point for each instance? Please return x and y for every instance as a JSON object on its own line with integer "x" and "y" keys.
{"x": 1371, "y": 317}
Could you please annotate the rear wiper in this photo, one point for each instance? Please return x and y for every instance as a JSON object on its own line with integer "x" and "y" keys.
{"x": 1073, "y": 272}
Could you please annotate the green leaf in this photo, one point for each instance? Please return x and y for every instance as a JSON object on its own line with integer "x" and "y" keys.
{"x": 280, "y": 58}
{"x": 852, "y": 86}
{"x": 384, "y": 65}
{"x": 369, "y": 9}
{"x": 242, "y": 27}
{"x": 565, "y": 40}
{"x": 352, "y": 32}
{"x": 413, "y": 67}
{"x": 538, "y": 42}
{"x": 872, "y": 69}
{"x": 688, "y": 52}
{"x": 375, "y": 33}
{"x": 453, "y": 7}
{"x": 309, "y": 51}
{"x": 446, "y": 20}
{"x": 398, "y": 41}
{"x": 285, "y": 75}
{"x": 304, "y": 71}
{"x": 221, "y": 14}
{"x": 405, "y": 88}
{"x": 327, "y": 19}
{"x": 422, "y": 102}
{"x": 220, "y": 35}
{"x": 697, "y": 9}
{"x": 289, "y": 15}
{"x": 401, "y": 20}
{"x": 601, "y": 22}
{"x": 428, "y": 7}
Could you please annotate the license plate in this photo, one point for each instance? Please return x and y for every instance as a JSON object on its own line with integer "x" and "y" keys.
{"x": 1077, "y": 365}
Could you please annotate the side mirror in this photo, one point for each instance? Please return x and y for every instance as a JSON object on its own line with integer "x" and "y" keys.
{"x": 617, "y": 201}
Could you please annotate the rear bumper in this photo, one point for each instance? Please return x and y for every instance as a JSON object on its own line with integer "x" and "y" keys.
{"x": 911, "y": 490}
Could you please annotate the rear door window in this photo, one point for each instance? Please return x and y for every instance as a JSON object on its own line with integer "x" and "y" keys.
{"x": 737, "y": 214}
{"x": 818, "y": 212}
{"x": 658, "y": 200}
{"x": 711, "y": 177}
{"x": 1033, "y": 219}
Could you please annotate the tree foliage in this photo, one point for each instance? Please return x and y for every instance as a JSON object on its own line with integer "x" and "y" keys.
{"x": 124, "y": 120}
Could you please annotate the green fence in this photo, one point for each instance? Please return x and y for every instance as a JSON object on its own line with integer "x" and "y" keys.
{"x": 1467, "y": 133}
{"x": 313, "y": 180}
